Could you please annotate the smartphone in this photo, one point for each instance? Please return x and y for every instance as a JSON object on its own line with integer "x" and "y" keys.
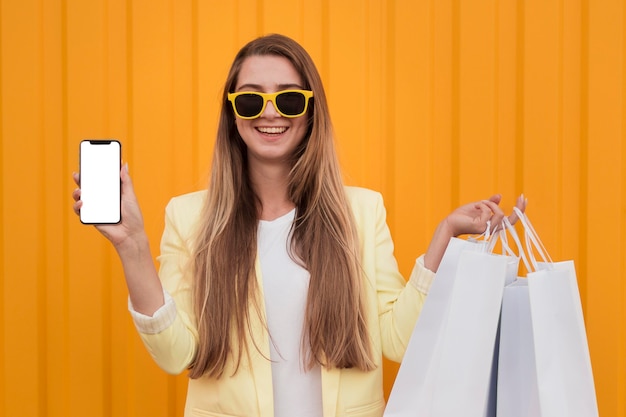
{"x": 100, "y": 184}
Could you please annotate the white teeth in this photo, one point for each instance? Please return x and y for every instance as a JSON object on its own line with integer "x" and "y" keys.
{"x": 271, "y": 130}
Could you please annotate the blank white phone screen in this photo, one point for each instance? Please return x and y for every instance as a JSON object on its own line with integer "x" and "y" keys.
{"x": 100, "y": 181}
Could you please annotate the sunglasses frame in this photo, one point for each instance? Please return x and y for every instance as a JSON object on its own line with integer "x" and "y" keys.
{"x": 270, "y": 97}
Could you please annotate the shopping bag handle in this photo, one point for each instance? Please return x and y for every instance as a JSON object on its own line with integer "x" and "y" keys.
{"x": 488, "y": 238}
{"x": 532, "y": 240}
{"x": 508, "y": 227}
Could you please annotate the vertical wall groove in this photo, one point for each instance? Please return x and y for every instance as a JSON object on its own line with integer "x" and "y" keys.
{"x": 560, "y": 115}
{"x": 433, "y": 93}
{"x": 260, "y": 26}
{"x": 584, "y": 140}
{"x": 390, "y": 90}
{"x": 520, "y": 54}
{"x": 130, "y": 93}
{"x": 173, "y": 105}
{"x": 621, "y": 400}
{"x": 42, "y": 304}
{"x": 128, "y": 155}
{"x": 622, "y": 221}
{"x": 3, "y": 269}
{"x": 107, "y": 287}
{"x": 495, "y": 129}
{"x": 325, "y": 39}
{"x": 195, "y": 113}
{"x": 67, "y": 167}
{"x": 456, "y": 103}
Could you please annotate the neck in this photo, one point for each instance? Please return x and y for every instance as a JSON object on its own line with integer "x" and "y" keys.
{"x": 270, "y": 185}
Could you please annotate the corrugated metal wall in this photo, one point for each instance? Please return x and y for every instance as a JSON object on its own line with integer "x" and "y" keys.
{"x": 435, "y": 103}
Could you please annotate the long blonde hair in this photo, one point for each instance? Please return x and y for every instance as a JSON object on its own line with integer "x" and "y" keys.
{"x": 323, "y": 238}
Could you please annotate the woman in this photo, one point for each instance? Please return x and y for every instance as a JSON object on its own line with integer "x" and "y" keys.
{"x": 277, "y": 288}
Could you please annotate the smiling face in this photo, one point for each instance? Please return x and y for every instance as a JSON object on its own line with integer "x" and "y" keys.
{"x": 270, "y": 138}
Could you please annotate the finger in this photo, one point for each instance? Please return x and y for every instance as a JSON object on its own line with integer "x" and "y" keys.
{"x": 496, "y": 198}
{"x": 484, "y": 209}
{"x": 493, "y": 206}
{"x": 521, "y": 205}
{"x": 76, "y": 194}
{"x": 495, "y": 214}
{"x": 77, "y": 205}
{"x": 494, "y": 209}
{"x": 483, "y": 217}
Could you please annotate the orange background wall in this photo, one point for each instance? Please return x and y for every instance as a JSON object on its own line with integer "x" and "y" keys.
{"x": 435, "y": 103}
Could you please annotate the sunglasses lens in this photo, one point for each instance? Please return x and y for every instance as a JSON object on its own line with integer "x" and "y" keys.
{"x": 291, "y": 103}
{"x": 249, "y": 105}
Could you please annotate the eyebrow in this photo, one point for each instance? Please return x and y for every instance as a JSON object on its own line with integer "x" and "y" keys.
{"x": 257, "y": 87}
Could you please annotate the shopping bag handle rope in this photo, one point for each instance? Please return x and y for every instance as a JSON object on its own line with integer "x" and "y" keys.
{"x": 507, "y": 226}
{"x": 532, "y": 240}
{"x": 488, "y": 237}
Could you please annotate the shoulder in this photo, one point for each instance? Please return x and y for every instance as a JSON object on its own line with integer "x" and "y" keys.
{"x": 190, "y": 201}
{"x": 183, "y": 211}
{"x": 359, "y": 196}
{"x": 364, "y": 202}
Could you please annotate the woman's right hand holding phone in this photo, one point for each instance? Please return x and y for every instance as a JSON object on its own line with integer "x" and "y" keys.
{"x": 131, "y": 226}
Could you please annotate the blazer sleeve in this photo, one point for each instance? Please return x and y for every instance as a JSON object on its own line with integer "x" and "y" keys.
{"x": 398, "y": 303}
{"x": 174, "y": 347}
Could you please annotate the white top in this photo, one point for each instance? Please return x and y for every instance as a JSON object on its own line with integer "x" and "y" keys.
{"x": 285, "y": 287}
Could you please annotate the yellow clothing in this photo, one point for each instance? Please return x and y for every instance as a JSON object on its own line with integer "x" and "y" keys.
{"x": 392, "y": 309}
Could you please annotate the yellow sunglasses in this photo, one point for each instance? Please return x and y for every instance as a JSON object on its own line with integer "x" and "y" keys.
{"x": 289, "y": 103}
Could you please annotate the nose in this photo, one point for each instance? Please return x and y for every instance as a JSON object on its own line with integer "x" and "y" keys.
{"x": 270, "y": 110}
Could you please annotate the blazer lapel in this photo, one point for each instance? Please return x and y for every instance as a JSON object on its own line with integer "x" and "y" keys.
{"x": 260, "y": 363}
{"x": 330, "y": 390}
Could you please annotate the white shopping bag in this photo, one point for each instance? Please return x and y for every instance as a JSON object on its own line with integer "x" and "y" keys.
{"x": 544, "y": 363}
{"x": 564, "y": 373}
{"x": 517, "y": 392}
{"x": 447, "y": 368}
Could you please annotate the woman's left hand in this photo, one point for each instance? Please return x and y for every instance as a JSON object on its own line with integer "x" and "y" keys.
{"x": 473, "y": 218}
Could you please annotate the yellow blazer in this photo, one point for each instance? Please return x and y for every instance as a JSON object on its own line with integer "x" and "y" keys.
{"x": 392, "y": 309}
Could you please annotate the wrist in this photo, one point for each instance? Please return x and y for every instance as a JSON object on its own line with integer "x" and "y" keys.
{"x": 438, "y": 245}
{"x": 446, "y": 229}
{"x": 133, "y": 246}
